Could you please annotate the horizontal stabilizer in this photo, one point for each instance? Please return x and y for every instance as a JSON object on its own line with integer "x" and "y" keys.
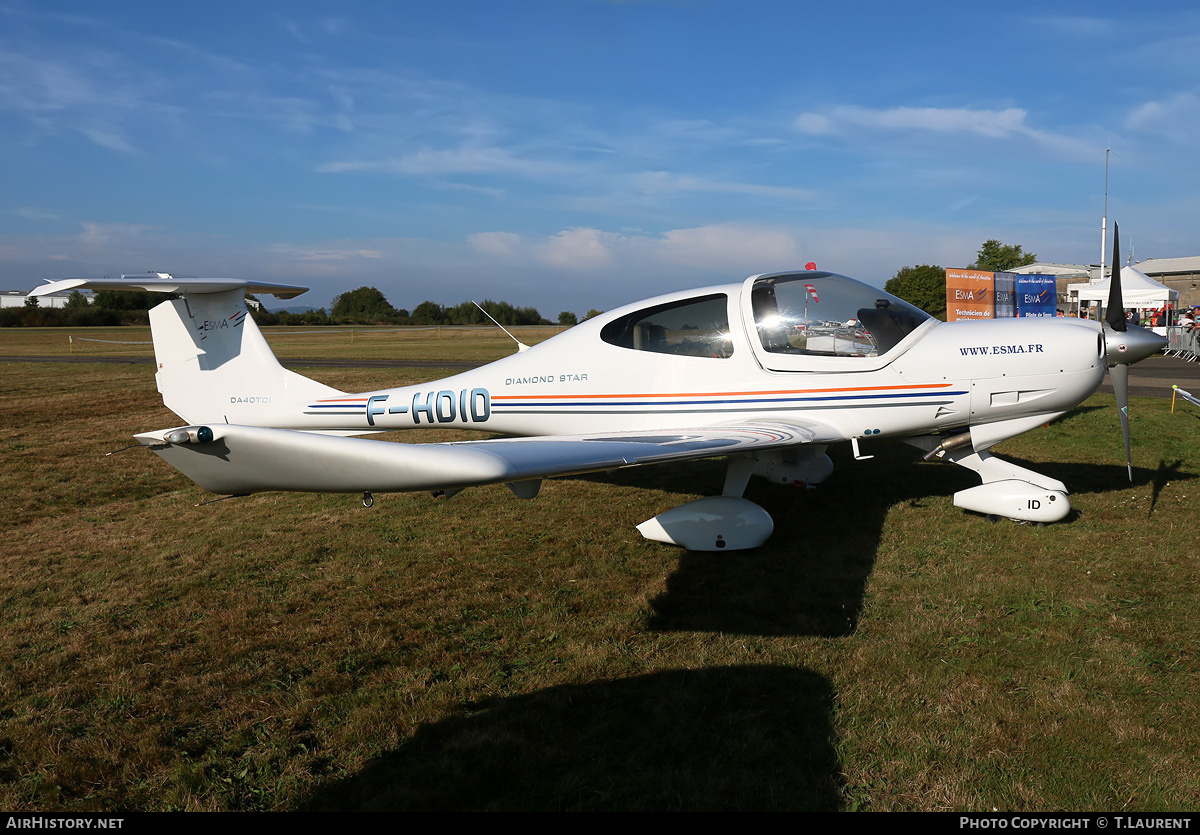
{"x": 163, "y": 283}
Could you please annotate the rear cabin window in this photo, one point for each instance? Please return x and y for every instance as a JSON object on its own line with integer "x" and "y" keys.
{"x": 696, "y": 327}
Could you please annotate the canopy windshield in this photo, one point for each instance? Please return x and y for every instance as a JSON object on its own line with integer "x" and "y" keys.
{"x": 824, "y": 314}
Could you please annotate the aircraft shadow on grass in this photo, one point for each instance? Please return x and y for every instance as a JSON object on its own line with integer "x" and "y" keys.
{"x": 746, "y": 737}
{"x": 810, "y": 577}
{"x": 734, "y": 738}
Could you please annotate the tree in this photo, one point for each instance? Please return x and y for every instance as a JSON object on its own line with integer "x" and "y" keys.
{"x": 923, "y": 286}
{"x": 428, "y": 313}
{"x": 137, "y": 300}
{"x": 568, "y": 318}
{"x": 591, "y": 314}
{"x": 468, "y": 313}
{"x": 366, "y": 304}
{"x": 996, "y": 257}
{"x": 76, "y": 301}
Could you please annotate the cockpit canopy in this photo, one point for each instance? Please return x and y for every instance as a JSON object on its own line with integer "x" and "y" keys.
{"x": 797, "y": 317}
{"x": 829, "y": 315}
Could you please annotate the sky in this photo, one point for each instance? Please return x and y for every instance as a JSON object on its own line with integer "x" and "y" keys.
{"x": 581, "y": 154}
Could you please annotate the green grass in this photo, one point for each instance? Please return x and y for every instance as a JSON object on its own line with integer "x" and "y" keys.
{"x": 882, "y": 651}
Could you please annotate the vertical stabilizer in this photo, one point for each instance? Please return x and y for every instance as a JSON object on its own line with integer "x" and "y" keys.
{"x": 215, "y": 366}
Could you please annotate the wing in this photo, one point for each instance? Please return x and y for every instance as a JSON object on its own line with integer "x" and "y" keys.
{"x": 227, "y": 458}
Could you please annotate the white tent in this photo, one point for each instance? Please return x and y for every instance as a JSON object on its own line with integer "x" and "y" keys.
{"x": 1137, "y": 290}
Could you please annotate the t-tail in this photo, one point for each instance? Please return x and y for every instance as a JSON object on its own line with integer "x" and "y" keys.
{"x": 214, "y": 366}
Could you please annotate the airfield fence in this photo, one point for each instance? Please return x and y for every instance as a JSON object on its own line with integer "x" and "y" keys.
{"x": 1183, "y": 342}
{"x": 72, "y": 339}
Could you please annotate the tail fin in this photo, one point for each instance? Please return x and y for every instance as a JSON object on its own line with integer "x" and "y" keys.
{"x": 215, "y": 366}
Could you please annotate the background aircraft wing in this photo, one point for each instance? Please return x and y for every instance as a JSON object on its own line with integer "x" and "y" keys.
{"x": 249, "y": 459}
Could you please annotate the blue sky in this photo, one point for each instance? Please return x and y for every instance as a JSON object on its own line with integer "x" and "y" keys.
{"x": 578, "y": 154}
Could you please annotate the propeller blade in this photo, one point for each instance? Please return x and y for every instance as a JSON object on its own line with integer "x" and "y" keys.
{"x": 1124, "y": 346}
{"x": 1120, "y": 380}
{"x": 1114, "y": 315}
{"x": 1118, "y": 372}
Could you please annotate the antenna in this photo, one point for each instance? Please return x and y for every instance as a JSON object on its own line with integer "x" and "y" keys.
{"x": 521, "y": 346}
{"x": 1104, "y": 219}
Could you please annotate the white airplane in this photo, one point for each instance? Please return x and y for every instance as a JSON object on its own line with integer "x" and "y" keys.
{"x": 766, "y": 374}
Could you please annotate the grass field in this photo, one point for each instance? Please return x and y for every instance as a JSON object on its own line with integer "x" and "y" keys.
{"x": 882, "y": 651}
{"x": 478, "y": 344}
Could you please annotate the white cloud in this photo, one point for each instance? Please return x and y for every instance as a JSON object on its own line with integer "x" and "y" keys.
{"x": 451, "y": 161}
{"x": 293, "y": 29}
{"x": 665, "y": 181}
{"x": 293, "y": 113}
{"x": 34, "y": 213}
{"x": 1177, "y": 117}
{"x": 712, "y": 250}
{"x": 736, "y": 248}
{"x": 316, "y": 253}
{"x": 496, "y": 244}
{"x": 992, "y": 123}
{"x": 577, "y": 249}
{"x": 107, "y": 138}
{"x": 854, "y": 122}
{"x": 92, "y": 93}
{"x": 96, "y": 234}
{"x": 1174, "y": 55}
{"x": 813, "y": 124}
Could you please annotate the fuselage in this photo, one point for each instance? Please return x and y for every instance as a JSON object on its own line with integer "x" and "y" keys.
{"x": 834, "y": 351}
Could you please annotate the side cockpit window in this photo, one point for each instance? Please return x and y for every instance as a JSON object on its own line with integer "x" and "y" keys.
{"x": 696, "y": 327}
{"x": 822, "y": 314}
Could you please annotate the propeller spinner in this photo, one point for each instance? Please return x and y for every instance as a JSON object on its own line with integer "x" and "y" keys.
{"x": 1124, "y": 345}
